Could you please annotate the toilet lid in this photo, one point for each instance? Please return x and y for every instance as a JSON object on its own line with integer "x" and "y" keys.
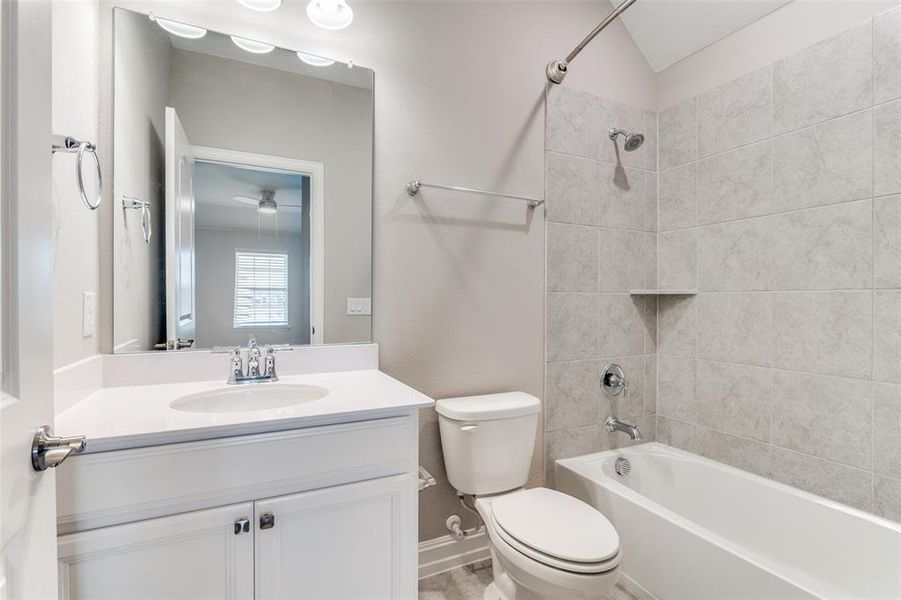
{"x": 556, "y": 525}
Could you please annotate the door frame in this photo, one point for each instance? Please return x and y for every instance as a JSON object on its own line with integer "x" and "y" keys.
{"x": 316, "y": 172}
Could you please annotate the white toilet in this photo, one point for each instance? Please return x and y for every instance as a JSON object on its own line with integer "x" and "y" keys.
{"x": 544, "y": 544}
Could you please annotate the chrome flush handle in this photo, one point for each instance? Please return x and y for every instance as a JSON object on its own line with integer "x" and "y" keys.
{"x": 48, "y": 450}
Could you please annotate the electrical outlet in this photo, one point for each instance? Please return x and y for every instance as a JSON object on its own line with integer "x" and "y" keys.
{"x": 88, "y": 312}
{"x": 359, "y": 306}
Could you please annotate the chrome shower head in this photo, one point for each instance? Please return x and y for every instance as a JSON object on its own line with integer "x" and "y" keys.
{"x": 633, "y": 140}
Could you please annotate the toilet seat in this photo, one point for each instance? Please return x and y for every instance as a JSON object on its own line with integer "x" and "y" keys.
{"x": 556, "y": 530}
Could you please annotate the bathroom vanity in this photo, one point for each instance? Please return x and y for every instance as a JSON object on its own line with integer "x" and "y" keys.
{"x": 314, "y": 500}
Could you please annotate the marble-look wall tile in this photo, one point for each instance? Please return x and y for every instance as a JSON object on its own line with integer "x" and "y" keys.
{"x": 572, "y": 325}
{"x": 567, "y": 443}
{"x": 736, "y": 327}
{"x": 738, "y": 452}
{"x": 627, "y": 260}
{"x": 572, "y": 394}
{"x": 678, "y": 131}
{"x": 826, "y": 80}
{"x": 823, "y": 332}
{"x": 573, "y": 123}
{"x": 572, "y": 258}
{"x": 887, "y": 337}
{"x": 826, "y": 478}
{"x": 887, "y": 430}
{"x": 676, "y": 388}
{"x": 887, "y": 242}
{"x": 736, "y": 184}
{"x": 888, "y": 149}
{"x": 573, "y": 190}
{"x": 888, "y": 56}
{"x": 887, "y": 501}
{"x": 737, "y": 113}
{"x": 650, "y": 138}
{"x": 625, "y": 327}
{"x": 827, "y": 417}
{"x": 677, "y": 259}
{"x": 826, "y": 164}
{"x": 826, "y": 248}
{"x": 677, "y": 325}
{"x": 628, "y": 198}
{"x": 734, "y": 256}
{"x": 741, "y": 453}
{"x": 734, "y": 399}
{"x": 678, "y": 197}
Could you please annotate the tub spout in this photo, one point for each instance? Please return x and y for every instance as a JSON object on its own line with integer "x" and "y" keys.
{"x": 613, "y": 424}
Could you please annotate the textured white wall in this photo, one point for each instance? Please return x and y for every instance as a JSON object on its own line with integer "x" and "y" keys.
{"x": 74, "y": 82}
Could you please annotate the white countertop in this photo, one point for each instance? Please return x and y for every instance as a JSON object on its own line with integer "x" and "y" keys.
{"x": 117, "y": 418}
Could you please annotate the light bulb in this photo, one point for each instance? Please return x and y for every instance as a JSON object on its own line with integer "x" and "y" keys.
{"x": 315, "y": 61}
{"x": 192, "y": 32}
{"x": 261, "y": 5}
{"x": 252, "y": 46}
{"x": 330, "y": 14}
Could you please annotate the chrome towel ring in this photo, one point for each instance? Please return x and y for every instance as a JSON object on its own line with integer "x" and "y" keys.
{"x": 79, "y": 147}
{"x": 146, "y": 224}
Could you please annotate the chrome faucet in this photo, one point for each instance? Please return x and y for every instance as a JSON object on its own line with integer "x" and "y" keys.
{"x": 613, "y": 424}
{"x": 255, "y": 358}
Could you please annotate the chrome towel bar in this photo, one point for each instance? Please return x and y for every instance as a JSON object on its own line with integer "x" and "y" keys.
{"x": 146, "y": 224}
{"x": 413, "y": 188}
{"x": 66, "y": 143}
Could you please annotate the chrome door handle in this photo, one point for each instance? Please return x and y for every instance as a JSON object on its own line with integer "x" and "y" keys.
{"x": 48, "y": 450}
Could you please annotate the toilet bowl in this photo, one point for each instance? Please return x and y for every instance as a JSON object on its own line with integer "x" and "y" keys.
{"x": 545, "y": 545}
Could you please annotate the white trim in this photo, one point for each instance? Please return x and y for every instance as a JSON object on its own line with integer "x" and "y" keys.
{"x": 446, "y": 553}
{"x": 316, "y": 172}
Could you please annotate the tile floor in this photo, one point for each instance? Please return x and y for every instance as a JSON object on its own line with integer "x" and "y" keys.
{"x": 468, "y": 583}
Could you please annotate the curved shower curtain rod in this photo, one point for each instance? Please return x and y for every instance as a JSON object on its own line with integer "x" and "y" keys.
{"x": 556, "y": 69}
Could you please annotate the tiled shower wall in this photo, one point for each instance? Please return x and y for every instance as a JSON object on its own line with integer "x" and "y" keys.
{"x": 779, "y": 200}
{"x": 601, "y": 242}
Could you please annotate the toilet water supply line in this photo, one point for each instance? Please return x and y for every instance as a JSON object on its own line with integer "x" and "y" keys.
{"x": 455, "y": 524}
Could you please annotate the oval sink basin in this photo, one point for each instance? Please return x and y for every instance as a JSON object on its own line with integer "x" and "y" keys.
{"x": 249, "y": 397}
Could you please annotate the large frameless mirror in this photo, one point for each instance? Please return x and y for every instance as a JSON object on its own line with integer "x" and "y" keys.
{"x": 242, "y": 191}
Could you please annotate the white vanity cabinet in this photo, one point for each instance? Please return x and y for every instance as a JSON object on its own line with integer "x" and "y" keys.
{"x": 330, "y": 512}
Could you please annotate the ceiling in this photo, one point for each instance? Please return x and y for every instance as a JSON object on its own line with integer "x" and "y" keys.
{"x": 666, "y": 31}
{"x": 216, "y": 185}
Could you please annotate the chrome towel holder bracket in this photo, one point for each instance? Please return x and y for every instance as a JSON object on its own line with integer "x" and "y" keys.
{"x": 67, "y": 143}
{"x": 144, "y": 206}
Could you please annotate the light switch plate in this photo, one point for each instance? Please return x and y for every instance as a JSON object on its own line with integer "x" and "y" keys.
{"x": 88, "y": 313}
{"x": 359, "y": 306}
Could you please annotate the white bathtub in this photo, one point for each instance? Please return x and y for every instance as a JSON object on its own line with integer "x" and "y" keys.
{"x": 695, "y": 529}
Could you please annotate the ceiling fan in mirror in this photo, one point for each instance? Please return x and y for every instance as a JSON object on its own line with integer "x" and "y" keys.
{"x": 266, "y": 204}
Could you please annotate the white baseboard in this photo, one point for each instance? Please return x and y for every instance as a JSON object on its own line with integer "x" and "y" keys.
{"x": 445, "y": 553}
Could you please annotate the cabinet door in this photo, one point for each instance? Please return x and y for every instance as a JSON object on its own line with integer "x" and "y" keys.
{"x": 349, "y": 542}
{"x": 191, "y": 556}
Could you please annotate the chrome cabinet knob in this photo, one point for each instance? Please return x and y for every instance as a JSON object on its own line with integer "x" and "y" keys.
{"x": 48, "y": 450}
{"x": 242, "y": 525}
{"x": 267, "y": 521}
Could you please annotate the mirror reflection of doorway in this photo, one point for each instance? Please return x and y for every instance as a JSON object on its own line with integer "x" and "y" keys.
{"x": 256, "y": 249}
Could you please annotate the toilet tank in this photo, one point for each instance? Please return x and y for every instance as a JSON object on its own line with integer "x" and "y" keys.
{"x": 488, "y": 440}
